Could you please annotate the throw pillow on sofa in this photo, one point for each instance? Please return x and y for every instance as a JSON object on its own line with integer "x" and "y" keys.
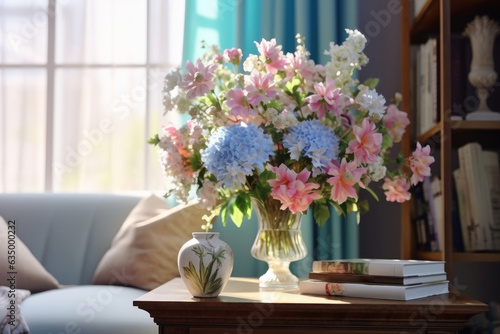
{"x": 144, "y": 252}
{"x": 29, "y": 272}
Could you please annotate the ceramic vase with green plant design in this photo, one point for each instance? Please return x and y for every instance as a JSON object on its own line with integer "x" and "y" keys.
{"x": 205, "y": 264}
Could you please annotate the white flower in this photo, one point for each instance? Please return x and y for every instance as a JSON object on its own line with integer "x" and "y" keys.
{"x": 377, "y": 170}
{"x": 371, "y": 101}
{"x": 282, "y": 120}
{"x": 171, "y": 79}
{"x": 356, "y": 40}
{"x": 182, "y": 102}
{"x": 252, "y": 62}
{"x": 208, "y": 194}
{"x": 271, "y": 113}
{"x": 167, "y": 102}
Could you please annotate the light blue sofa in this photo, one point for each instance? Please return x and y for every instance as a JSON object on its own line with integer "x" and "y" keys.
{"x": 69, "y": 234}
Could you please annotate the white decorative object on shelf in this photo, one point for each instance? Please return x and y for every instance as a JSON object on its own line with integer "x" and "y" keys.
{"x": 482, "y": 33}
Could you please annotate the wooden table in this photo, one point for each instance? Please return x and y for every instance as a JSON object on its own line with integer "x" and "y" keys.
{"x": 242, "y": 308}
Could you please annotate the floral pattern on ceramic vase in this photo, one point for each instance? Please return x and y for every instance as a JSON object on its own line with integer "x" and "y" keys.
{"x": 205, "y": 264}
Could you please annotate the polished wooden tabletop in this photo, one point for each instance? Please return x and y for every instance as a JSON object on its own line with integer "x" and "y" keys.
{"x": 243, "y": 302}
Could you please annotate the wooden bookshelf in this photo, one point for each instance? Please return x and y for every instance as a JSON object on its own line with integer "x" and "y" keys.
{"x": 476, "y": 257}
{"x": 442, "y": 18}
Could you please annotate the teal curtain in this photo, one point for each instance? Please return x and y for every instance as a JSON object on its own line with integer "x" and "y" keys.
{"x": 238, "y": 23}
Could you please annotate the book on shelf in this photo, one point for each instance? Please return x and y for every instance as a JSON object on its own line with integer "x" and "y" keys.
{"x": 427, "y": 97}
{"x": 379, "y": 267}
{"x": 478, "y": 174}
{"x": 434, "y": 216}
{"x": 378, "y": 291}
{"x": 426, "y": 81}
{"x": 357, "y": 278}
{"x": 463, "y": 209}
{"x": 437, "y": 198}
{"x": 492, "y": 172}
{"x": 423, "y": 233}
{"x": 456, "y": 228}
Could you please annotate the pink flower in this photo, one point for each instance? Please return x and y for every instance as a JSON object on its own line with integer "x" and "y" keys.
{"x": 292, "y": 190}
{"x": 328, "y": 97}
{"x": 238, "y": 104}
{"x": 396, "y": 190}
{"x": 260, "y": 88}
{"x": 198, "y": 81}
{"x": 344, "y": 178}
{"x": 298, "y": 63}
{"x": 171, "y": 131}
{"x": 396, "y": 122}
{"x": 218, "y": 58}
{"x": 274, "y": 58}
{"x": 232, "y": 55}
{"x": 420, "y": 162}
{"x": 367, "y": 143}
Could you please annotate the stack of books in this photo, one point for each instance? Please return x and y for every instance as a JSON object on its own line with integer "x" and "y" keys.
{"x": 376, "y": 278}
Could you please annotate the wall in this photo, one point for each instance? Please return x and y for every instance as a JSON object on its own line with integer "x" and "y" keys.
{"x": 379, "y": 21}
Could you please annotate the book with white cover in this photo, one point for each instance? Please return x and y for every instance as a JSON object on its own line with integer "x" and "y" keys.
{"x": 492, "y": 173}
{"x": 380, "y": 267}
{"x": 437, "y": 198}
{"x": 357, "y": 278}
{"x": 432, "y": 219}
{"x": 477, "y": 196}
{"x": 378, "y": 291}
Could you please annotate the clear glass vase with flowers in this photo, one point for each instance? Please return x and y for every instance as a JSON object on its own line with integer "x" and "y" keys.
{"x": 283, "y": 137}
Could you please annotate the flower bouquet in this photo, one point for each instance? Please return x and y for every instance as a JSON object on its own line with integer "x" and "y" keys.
{"x": 286, "y": 136}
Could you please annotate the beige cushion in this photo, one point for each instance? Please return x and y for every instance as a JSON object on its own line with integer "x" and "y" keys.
{"x": 144, "y": 252}
{"x": 28, "y": 271}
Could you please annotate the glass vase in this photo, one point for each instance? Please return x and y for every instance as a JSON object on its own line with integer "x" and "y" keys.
{"x": 278, "y": 242}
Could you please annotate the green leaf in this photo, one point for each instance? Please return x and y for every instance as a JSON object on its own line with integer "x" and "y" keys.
{"x": 351, "y": 207}
{"x": 244, "y": 204}
{"x": 195, "y": 160}
{"x": 275, "y": 104}
{"x": 400, "y": 159}
{"x": 212, "y": 99}
{"x": 363, "y": 206}
{"x": 266, "y": 175}
{"x": 372, "y": 193}
{"x": 258, "y": 192}
{"x": 236, "y": 214}
{"x": 154, "y": 140}
{"x": 321, "y": 213}
{"x": 371, "y": 82}
{"x": 339, "y": 209}
{"x": 223, "y": 213}
{"x": 386, "y": 141}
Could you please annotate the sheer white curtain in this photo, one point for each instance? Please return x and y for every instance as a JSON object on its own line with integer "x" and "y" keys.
{"x": 80, "y": 92}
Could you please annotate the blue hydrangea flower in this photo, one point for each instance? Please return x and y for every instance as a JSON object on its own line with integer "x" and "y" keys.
{"x": 313, "y": 140}
{"x": 234, "y": 152}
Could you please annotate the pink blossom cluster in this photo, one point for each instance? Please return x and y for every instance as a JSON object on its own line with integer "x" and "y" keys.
{"x": 344, "y": 177}
{"x": 278, "y": 94}
{"x": 292, "y": 189}
{"x": 397, "y": 188}
{"x": 198, "y": 80}
{"x": 176, "y": 149}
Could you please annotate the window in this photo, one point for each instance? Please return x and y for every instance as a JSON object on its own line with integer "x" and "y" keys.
{"x": 80, "y": 92}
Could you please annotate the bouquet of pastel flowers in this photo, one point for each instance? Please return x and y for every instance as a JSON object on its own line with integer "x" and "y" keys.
{"x": 287, "y": 129}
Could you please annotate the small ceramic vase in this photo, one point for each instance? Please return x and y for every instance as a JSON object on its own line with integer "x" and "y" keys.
{"x": 205, "y": 264}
